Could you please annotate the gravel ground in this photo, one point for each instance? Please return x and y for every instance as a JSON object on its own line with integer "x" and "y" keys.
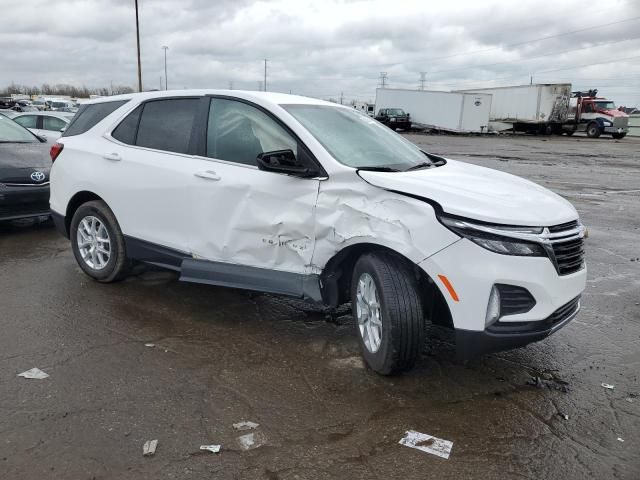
{"x": 221, "y": 356}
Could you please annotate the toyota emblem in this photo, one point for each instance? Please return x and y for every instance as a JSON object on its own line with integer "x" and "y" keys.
{"x": 38, "y": 176}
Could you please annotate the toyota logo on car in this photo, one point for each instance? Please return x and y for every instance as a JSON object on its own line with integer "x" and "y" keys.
{"x": 38, "y": 176}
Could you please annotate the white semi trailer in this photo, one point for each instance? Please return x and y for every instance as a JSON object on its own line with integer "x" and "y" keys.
{"x": 453, "y": 112}
{"x": 542, "y": 107}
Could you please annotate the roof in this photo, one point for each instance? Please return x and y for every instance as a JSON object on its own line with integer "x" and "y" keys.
{"x": 63, "y": 115}
{"x": 258, "y": 97}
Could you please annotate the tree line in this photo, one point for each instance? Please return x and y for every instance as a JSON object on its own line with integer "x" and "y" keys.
{"x": 64, "y": 89}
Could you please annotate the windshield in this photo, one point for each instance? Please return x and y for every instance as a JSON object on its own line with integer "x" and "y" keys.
{"x": 59, "y": 104}
{"x": 605, "y": 105}
{"x": 10, "y": 131}
{"x": 395, "y": 111}
{"x": 355, "y": 139}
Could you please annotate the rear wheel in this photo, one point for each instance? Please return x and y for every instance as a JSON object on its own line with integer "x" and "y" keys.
{"x": 570, "y": 132}
{"x": 388, "y": 312}
{"x": 593, "y": 130}
{"x": 98, "y": 243}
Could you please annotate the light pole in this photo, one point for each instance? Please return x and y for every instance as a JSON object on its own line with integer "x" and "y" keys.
{"x": 138, "y": 44}
{"x": 166, "y": 82}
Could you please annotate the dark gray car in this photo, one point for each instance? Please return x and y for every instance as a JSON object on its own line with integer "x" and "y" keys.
{"x": 24, "y": 172}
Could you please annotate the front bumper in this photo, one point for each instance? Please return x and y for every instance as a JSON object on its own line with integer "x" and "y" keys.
{"x": 472, "y": 272}
{"x": 23, "y": 201}
{"x": 471, "y": 344}
{"x": 616, "y": 129}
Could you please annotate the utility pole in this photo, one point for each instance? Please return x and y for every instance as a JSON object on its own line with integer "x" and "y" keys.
{"x": 383, "y": 79}
{"x": 423, "y": 79}
{"x": 341, "y": 98}
{"x": 160, "y": 82}
{"x": 166, "y": 81}
{"x": 265, "y": 74}
{"x": 531, "y": 80}
{"x": 138, "y": 43}
{"x": 231, "y": 85}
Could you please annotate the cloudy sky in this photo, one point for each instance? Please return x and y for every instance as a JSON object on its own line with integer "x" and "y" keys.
{"x": 325, "y": 47}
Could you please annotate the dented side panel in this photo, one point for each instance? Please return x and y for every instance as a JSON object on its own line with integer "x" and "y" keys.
{"x": 254, "y": 218}
{"x": 351, "y": 211}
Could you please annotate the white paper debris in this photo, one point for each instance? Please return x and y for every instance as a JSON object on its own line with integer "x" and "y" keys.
{"x": 620, "y": 439}
{"x": 607, "y": 386}
{"x": 211, "y": 448}
{"x": 427, "y": 443}
{"x": 245, "y": 425}
{"x": 149, "y": 447}
{"x": 34, "y": 373}
{"x": 150, "y": 345}
{"x": 247, "y": 441}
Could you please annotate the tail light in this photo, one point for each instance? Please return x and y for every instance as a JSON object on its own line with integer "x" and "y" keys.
{"x": 56, "y": 148}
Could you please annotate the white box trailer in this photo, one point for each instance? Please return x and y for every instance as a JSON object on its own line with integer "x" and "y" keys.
{"x": 455, "y": 112}
{"x": 537, "y": 107}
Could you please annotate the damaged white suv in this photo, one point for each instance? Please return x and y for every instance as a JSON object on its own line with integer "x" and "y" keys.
{"x": 301, "y": 197}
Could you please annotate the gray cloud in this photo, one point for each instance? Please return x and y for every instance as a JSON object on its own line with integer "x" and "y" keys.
{"x": 322, "y": 48}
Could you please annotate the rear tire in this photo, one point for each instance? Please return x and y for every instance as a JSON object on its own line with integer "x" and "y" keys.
{"x": 392, "y": 338}
{"x": 99, "y": 248}
{"x": 593, "y": 130}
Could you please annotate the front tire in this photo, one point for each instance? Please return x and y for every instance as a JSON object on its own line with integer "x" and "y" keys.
{"x": 593, "y": 130}
{"x": 388, "y": 312}
{"x": 98, "y": 243}
{"x": 618, "y": 136}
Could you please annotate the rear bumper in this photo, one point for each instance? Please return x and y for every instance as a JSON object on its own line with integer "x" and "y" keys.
{"x": 471, "y": 344}
{"x": 23, "y": 201}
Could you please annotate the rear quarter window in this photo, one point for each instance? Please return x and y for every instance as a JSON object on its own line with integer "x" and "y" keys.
{"x": 89, "y": 115}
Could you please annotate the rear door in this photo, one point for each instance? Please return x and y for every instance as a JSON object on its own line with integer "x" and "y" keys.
{"x": 148, "y": 168}
{"x": 240, "y": 214}
{"x": 51, "y": 127}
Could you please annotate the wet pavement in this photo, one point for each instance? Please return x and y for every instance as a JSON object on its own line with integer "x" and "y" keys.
{"x": 221, "y": 356}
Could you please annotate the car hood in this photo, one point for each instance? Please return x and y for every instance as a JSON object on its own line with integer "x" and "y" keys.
{"x": 19, "y": 160}
{"x": 479, "y": 193}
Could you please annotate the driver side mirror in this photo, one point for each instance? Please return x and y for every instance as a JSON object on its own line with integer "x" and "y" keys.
{"x": 283, "y": 161}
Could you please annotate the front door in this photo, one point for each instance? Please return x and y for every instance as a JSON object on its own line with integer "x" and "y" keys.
{"x": 242, "y": 215}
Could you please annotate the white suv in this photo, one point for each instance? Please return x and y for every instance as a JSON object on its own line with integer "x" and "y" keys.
{"x": 300, "y": 197}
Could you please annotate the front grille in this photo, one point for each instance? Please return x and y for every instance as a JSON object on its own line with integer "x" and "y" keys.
{"x": 563, "y": 227}
{"x": 620, "y": 122}
{"x": 562, "y": 314}
{"x": 568, "y": 248}
{"x": 514, "y": 300}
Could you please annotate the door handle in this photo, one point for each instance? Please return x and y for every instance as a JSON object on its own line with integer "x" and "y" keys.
{"x": 113, "y": 156}
{"x": 208, "y": 175}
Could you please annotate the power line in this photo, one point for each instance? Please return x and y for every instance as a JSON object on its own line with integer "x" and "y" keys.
{"x": 536, "y": 57}
{"x": 537, "y": 39}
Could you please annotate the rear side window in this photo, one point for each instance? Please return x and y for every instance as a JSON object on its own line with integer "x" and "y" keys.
{"x": 53, "y": 123}
{"x": 89, "y": 115}
{"x": 166, "y": 124}
{"x": 128, "y": 128}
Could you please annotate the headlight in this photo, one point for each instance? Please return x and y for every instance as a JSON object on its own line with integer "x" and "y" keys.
{"x": 606, "y": 123}
{"x": 497, "y": 238}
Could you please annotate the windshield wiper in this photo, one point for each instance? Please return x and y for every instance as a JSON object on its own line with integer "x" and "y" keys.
{"x": 379, "y": 169}
{"x": 419, "y": 166}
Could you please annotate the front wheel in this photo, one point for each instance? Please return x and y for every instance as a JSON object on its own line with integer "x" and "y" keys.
{"x": 98, "y": 243}
{"x": 388, "y": 312}
{"x": 618, "y": 136}
{"x": 593, "y": 130}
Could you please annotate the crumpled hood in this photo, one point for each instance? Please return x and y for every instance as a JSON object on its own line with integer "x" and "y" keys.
{"x": 479, "y": 193}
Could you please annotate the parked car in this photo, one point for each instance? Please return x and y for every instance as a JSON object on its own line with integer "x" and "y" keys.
{"x": 24, "y": 172}
{"x": 301, "y": 197}
{"x": 46, "y": 124}
{"x": 62, "y": 105}
{"x": 394, "y": 118}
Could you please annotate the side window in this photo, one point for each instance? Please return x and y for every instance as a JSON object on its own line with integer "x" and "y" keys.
{"x": 52, "y": 123}
{"x": 89, "y": 115}
{"x": 128, "y": 128}
{"x": 166, "y": 124}
{"x": 238, "y": 132}
{"x": 27, "y": 121}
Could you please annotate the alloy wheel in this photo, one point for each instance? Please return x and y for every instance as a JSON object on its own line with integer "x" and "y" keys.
{"x": 368, "y": 313}
{"x": 94, "y": 243}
